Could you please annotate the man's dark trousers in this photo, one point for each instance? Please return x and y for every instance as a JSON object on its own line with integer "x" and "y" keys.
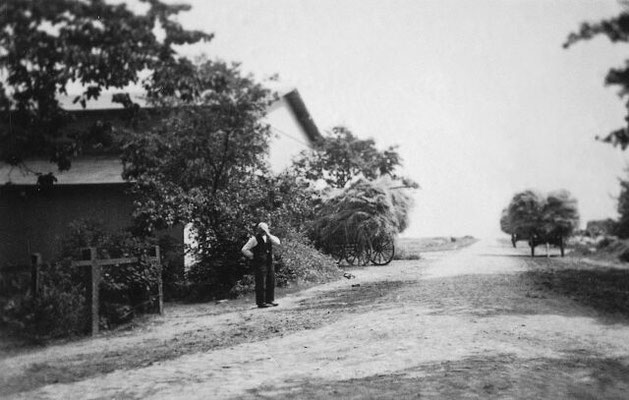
{"x": 265, "y": 283}
{"x": 264, "y": 271}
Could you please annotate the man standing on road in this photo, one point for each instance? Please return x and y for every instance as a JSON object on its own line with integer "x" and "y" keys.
{"x": 259, "y": 249}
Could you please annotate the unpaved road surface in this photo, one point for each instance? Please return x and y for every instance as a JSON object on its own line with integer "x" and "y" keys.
{"x": 464, "y": 324}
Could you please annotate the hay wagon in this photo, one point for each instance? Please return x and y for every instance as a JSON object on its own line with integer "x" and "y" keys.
{"x": 518, "y": 236}
{"x": 556, "y": 238}
{"x": 362, "y": 250}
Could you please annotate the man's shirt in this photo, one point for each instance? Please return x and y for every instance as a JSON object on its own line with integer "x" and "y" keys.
{"x": 253, "y": 242}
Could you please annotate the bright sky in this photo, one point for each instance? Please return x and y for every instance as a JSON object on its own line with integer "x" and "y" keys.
{"x": 480, "y": 95}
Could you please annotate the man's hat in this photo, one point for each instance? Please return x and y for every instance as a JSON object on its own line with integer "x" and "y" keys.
{"x": 263, "y": 226}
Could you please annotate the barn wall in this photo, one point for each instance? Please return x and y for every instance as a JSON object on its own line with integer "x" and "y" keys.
{"x": 34, "y": 222}
{"x": 288, "y": 137}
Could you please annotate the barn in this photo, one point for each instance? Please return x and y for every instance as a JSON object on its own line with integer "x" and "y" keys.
{"x": 33, "y": 219}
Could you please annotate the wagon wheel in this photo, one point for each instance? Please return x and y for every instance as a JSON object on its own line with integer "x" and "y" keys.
{"x": 357, "y": 257}
{"x": 337, "y": 253}
{"x": 382, "y": 251}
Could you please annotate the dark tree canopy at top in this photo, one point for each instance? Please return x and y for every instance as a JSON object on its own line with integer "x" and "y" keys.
{"x": 616, "y": 30}
{"x": 45, "y": 45}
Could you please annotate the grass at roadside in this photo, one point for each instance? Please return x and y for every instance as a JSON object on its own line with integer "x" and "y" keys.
{"x": 411, "y": 248}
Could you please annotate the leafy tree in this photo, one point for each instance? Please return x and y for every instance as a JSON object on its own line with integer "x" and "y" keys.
{"x": 45, "y": 45}
{"x": 341, "y": 157}
{"x": 622, "y": 228}
{"x": 616, "y": 29}
{"x": 202, "y": 163}
{"x": 290, "y": 204}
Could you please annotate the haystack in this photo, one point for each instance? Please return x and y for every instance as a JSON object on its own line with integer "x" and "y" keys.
{"x": 363, "y": 211}
{"x": 530, "y": 212}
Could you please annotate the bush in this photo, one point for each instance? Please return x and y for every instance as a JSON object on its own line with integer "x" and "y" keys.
{"x": 57, "y": 311}
{"x": 123, "y": 289}
{"x": 215, "y": 280}
{"x": 298, "y": 261}
{"x": 295, "y": 261}
{"x": 604, "y": 242}
{"x": 173, "y": 274}
{"x": 244, "y": 285}
{"x": 624, "y": 256}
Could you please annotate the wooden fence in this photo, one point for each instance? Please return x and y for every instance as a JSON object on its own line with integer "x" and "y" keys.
{"x": 89, "y": 259}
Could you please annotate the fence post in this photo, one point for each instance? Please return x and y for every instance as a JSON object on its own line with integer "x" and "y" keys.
{"x": 36, "y": 262}
{"x": 93, "y": 289}
{"x": 160, "y": 287}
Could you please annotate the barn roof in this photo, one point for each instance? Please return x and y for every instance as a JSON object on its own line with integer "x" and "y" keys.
{"x": 107, "y": 169}
{"x": 299, "y": 110}
{"x": 84, "y": 171}
{"x": 104, "y": 105}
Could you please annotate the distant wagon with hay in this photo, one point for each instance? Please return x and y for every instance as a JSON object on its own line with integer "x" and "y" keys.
{"x": 354, "y": 244}
{"x": 541, "y": 220}
{"x": 359, "y": 224}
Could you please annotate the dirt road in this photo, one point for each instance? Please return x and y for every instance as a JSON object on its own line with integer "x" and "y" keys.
{"x": 464, "y": 324}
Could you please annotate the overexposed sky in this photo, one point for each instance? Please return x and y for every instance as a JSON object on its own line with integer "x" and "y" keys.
{"x": 480, "y": 95}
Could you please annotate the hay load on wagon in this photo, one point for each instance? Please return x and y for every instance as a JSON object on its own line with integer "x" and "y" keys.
{"x": 542, "y": 219}
{"x": 359, "y": 223}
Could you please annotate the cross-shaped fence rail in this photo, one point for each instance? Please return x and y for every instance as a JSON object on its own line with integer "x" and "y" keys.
{"x": 90, "y": 260}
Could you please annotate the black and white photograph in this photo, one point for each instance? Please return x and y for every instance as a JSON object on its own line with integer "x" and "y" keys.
{"x": 314, "y": 199}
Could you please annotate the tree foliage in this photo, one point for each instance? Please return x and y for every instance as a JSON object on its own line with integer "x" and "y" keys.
{"x": 616, "y": 29}
{"x": 201, "y": 163}
{"x": 622, "y": 227}
{"x": 532, "y": 212}
{"x": 204, "y": 164}
{"x": 340, "y": 157}
{"x": 46, "y": 45}
{"x": 196, "y": 155}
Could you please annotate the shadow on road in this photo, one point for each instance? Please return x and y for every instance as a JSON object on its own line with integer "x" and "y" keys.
{"x": 501, "y": 376}
{"x": 604, "y": 289}
{"x": 520, "y": 255}
{"x": 358, "y": 295}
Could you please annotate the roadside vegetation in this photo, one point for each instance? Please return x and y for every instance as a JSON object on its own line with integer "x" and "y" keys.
{"x": 606, "y": 240}
{"x": 197, "y": 155}
{"x": 204, "y": 329}
{"x": 413, "y": 248}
